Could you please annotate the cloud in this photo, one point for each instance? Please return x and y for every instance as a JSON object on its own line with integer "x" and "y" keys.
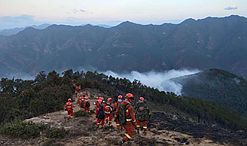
{"x": 159, "y": 80}
{"x": 76, "y": 11}
{"x": 81, "y": 10}
{"x": 230, "y": 8}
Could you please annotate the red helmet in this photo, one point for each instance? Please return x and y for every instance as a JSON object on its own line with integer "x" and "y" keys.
{"x": 69, "y": 100}
{"x": 100, "y": 101}
{"x": 129, "y": 95}
{"x": 120, "y": 96}
{"x": 141, "y": 99}
{"x": 109, "y": 100}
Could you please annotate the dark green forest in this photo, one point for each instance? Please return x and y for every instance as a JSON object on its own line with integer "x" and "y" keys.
{"x": 48, "y": 92}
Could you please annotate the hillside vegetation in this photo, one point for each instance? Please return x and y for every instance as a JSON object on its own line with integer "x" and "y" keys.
{"x": 218, "y": 86}
{"x": 21, "y": 99}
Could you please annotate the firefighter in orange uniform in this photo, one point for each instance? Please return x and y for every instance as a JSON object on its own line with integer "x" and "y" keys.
{"x": 79, "y": 99}
{"x": 86, "y": 104}
{"x": 142, "y": 115}
{"x": 108, "y": 109}
{"x": 127, "y": 119}
{"x": 116, "y": 107}
{"x": 96, "y": 107}
{"x": 69, "y": 108}
{"x": 100, "y": 115}
{"x": 77, "y": 88}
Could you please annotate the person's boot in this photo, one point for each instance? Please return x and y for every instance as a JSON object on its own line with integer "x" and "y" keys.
{"x": 121, "y": 142}
{"x": 138, "y": 130}
{"x": 145, "y": 132}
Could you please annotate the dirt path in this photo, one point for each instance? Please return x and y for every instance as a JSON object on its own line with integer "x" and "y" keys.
{"x": 83, "y": 131}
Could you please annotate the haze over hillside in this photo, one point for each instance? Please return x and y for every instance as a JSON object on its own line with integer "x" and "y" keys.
{"x": 197, "y": 44}
{"x": 218, "y": 86}
{"x": 160, "y": 80}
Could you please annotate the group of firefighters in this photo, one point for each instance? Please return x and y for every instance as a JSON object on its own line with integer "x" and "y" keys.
{"x": 128, "y": 115}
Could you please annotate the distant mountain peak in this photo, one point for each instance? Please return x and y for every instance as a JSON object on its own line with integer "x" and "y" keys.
{"x": 28, "y": 30}
{"x": 188, "y": 21}
{"x": 234, "y": 16}
{"x": 89, "y": 26}
{"x": 127, "y": 23}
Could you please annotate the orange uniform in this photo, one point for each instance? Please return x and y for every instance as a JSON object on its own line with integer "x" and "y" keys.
{"x": 142, "y": 115}
{"x": 108, "y": 110}
{"x": 86, "y": 104}
{"x": 77, "y": 89}
{"x": 79, "y": 101}
{"x": 100, "y": 115}
{"x": 116, "y": 108}
{"x": 129, "y": 126}
{"x": 69, "y": 108}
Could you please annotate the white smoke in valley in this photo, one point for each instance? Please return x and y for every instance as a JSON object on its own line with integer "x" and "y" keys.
{"x": 159, "y": 80}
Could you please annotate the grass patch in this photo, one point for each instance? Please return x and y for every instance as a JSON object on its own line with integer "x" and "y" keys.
{"x": 27, "y": 130}
{"x": 56, "y": 133}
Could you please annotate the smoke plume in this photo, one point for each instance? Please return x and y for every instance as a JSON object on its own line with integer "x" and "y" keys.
{"x": 159, "y": 80}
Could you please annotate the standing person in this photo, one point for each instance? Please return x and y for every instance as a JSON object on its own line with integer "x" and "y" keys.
{"x": 108, "y": 109}
{"x": 81, "y": 102}
{"x": 77, "y": 88}
{"x": 127, "y": 119}
{"x": 96, "y": 106}
{"x": 142, "y": 115}
{"x": 100, "y": 115}
{"x": 86, "y": 104}
{"x": 69, "y": 108}
{"x": 79, "y": 99}
{"x": 116, "y": 108}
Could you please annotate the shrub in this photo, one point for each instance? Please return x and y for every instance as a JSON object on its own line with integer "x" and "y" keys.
{"x": 22, "y": 129}
{"x": 56, "y": 133}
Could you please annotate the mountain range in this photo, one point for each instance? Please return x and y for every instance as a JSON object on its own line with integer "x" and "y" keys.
{"x": 201, "y": 44}
{"x": 13, "y": 31}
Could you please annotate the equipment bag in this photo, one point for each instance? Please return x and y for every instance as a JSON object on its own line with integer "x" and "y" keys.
{"x": 142, "y": 112}
{"x": 101, "y": 113}
{"x": 87, "y": 104}
{"x": 122, "y": 114}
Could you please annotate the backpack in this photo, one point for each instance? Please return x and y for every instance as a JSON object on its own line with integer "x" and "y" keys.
{"x": 142, "y": 111}
{"x": 122, "y": 114}
{"x": 101, "y": 113}
{"x": 87, "y": 104}
{"x": 82, "y": 104}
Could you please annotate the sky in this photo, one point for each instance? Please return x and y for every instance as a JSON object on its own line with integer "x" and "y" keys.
{"x": 19, "y": 13}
